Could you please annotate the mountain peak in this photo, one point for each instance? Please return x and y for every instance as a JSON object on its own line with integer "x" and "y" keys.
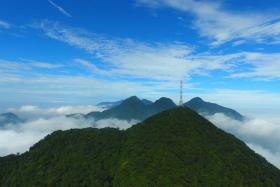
{"x": 163, "y": 99}
{"x": 9, "y": 117}
{"x": 132, "y": 99}
{"x": 146, "y": 102}
{"x": 8, "y": 114}
{"x": 165, "y": 103}
{"x": 196, "y": 100}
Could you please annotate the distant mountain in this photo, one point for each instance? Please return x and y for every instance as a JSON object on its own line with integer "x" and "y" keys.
{"x": 177, "y": 147}
{"x": 109, "y": 105}
{"x": 76, "y": 116}
{"x": 134, "y": 108}
{"x": 9, "y": 118}
{"x": 206, "y": 108}
{"x": 147, "y": 102}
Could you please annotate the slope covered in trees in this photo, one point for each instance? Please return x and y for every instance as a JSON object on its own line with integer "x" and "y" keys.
{"x": 177, "y": 147}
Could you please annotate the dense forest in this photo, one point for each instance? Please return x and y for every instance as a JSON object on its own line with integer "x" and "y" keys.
{"x": 177, "y": 147}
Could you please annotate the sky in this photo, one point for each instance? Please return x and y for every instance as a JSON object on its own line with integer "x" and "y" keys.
{"x": 61, "y": 57}
{"x": 55, "y": 52}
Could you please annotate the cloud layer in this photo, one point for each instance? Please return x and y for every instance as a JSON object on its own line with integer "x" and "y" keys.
{"x": 18, "y": 138}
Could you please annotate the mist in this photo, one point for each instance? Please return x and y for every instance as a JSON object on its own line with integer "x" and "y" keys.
{"x": 18, "y": 138}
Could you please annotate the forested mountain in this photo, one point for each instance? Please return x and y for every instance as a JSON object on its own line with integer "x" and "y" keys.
{"x": 176, "y": 147}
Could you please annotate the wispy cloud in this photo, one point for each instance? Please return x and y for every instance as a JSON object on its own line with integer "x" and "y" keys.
{"x": 91, "y": 67}
{"x": 264, "y": 66}
{"x": 60, "y": 9}
{"x": 4, "y": 24}
{"x": 214, "y": 21}
{"x": 127, "y": 57}
{"x": 41, "y": 64}
{"x": 161, "y": 61}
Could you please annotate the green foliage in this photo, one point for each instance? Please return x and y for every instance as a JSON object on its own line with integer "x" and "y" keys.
{"x": 174, "y": 148}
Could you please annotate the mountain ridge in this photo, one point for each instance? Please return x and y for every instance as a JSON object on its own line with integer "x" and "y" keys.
{"x": 133, "y": 108}
{"x": 144, "y": 109}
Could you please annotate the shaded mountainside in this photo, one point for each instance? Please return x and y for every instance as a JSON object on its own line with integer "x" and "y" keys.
{"x": 109, "y": 105}
{"x": 207, "y": 108}
{"x": 177, "y": 147}
{"x": 9, "y": 118}
{"x": 134, "y": 108}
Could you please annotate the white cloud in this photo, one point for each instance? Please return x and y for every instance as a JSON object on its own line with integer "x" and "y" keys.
{"x": 4, "y": 24}
{"x": 264, "y": 66}
{"x": 19, "y": 138}
{"x": 161, "y": 62}
{"x": 31, "y": 112}
{"x": 115, "y": 123}
{"x": 60, "y": 9}
{"x": 212, "y": 20}
{"x": 82, "y": 109}
{"x": 90, "y": 66}
{"x": 126, "y": 57}
{"x": 262, "y": 135}
{"x": 40, "y": 64}
{"x": 29, "y": 108}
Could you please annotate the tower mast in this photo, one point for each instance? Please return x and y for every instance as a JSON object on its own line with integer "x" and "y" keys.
{"x": 181, "y": 94}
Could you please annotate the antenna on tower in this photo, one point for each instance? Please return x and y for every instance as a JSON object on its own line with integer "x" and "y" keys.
{"x": 181, "y": 94}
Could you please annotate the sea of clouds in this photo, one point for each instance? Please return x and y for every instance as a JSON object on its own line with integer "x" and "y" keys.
{"x": 39, "y": 122}
{"x": 260, "y": 134}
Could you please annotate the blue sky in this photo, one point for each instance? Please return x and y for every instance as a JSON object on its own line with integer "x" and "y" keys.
{"x": 55, "y": 52}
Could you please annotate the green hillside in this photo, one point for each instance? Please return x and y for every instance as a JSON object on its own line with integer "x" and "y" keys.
{"x": 177, "y": 147}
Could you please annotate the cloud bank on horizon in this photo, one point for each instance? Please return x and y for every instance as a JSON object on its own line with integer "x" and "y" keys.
{"x": 39, "y": 122}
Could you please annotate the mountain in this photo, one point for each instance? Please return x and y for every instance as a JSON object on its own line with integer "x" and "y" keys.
{"x": 177, "y": 147}
{"x": 9, "y": 118}
{"x": 109, "y": 105}
{"x": 134, "y": 108}
{"x": 147, "y": 102}
{"x": 207, "y": 108}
